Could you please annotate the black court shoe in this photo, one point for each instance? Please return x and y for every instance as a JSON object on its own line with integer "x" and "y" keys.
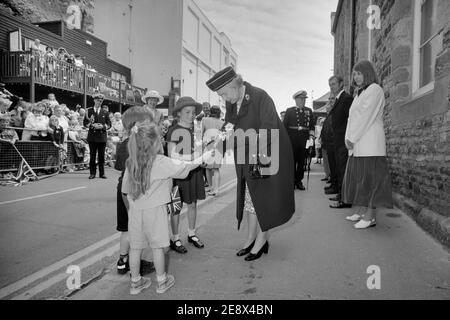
{"x": 264, "y": 249}
{"x": 245, "y": 251}
{"x": 196, "y": 242}
{"x": 340, "y": 205}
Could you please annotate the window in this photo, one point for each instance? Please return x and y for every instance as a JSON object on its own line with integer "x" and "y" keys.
{"x": 191, "y": 30}
{"x": 226, "y": 58}
{"x": 427, "y": 44}
{"x": 26, "y": 44}
{"x": 118, "y": 76}
{"x": 205, "y": 43}
{"x": 233, "y": 62}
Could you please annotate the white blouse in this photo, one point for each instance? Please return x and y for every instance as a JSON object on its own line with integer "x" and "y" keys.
{"x": 365, "y": 127}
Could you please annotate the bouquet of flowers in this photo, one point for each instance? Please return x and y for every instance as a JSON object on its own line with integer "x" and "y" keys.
{"x": 225, "y": 133}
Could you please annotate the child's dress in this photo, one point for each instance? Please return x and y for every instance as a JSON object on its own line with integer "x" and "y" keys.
{"x": 148, "y": 223}
{"x": 192, "y": 188}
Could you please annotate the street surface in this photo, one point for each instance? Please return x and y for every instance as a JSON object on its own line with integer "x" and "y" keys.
{"x": 318, "y": 255}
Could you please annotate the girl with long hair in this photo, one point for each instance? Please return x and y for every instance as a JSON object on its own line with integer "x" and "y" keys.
{"x": 148, "y": 182}
{"x": 367, "y": 182}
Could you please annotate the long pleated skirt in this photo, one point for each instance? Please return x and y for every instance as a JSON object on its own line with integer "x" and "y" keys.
{"x": 367, "y": 183}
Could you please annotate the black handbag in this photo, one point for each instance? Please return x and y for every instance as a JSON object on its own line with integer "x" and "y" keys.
{"x": 256, "y": 168}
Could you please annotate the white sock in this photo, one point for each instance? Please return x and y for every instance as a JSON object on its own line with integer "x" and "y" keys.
{"x": 136, "y": 279}
{"x": 176, "y": 237}
{"x": 161, "y": 278}
{"x": 191, "y": 233}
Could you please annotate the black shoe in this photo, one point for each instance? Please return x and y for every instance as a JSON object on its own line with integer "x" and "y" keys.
{"x": 123, "y": 266}
{"x": 330, "y": 191}
{"x": 264, "y": 249}
{"x": 245, "y": 251}
{"x": 103, "y": 177}
{"x": 337, "y": 198}
{"x": 300, "y": 186}
{"x": 196, "y": 242}
{"x": 91, "y": 177}
{"x": 147, "y": 267}
{"x": 340, "y": 205}
{"x": 178, "y": 247}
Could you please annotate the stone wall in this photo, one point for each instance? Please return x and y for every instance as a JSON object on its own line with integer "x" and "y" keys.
{"x": 342, "y": 41}
{"x": 50, "y": 10}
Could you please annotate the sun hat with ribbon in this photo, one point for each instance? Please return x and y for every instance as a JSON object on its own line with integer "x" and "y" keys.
{"x": 153, "y": 94}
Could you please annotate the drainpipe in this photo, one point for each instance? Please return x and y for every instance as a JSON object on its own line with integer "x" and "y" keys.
{"x": 352, "y": 41}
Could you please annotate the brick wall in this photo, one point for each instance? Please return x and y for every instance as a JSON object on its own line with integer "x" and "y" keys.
{"x": 417, "y": 128}
{"x": 342, "y": 40}
{"x": 50, "y": 10}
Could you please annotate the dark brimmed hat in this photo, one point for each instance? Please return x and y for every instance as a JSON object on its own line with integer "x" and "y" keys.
{"x": 221, "y": 79}
{"x": 187, "y": 102}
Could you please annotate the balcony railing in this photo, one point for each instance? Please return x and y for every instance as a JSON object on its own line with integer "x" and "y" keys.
{"x": 56, "y": 73}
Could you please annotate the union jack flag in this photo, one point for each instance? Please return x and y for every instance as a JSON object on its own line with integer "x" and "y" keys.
{"x": 176, "y": 205}
{"x": 24, "y": 174}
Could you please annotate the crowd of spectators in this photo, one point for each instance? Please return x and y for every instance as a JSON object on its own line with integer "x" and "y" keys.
{"x": 51, "y": 121}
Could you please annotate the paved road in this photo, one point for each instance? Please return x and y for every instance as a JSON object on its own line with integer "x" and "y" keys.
{"x": 317, "y": 256}
{"x": 44, "y": 222}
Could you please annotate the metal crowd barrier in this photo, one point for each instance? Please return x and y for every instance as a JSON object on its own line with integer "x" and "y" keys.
{"x": 38, "y": 154}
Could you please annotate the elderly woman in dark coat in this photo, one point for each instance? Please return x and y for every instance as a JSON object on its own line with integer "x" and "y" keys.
{"x": 269, "y": 201}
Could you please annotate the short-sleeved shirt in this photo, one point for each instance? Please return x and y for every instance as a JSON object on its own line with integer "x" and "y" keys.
{"x": 163, "y": 171}
{"x": 183, "y": 138}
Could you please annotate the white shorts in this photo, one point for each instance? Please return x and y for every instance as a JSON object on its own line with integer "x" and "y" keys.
{"x": 148, "y": 228}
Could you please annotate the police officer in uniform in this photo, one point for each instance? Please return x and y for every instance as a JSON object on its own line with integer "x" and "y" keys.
{"x": 300, "y": 124}
{"x": 98, "y": 122}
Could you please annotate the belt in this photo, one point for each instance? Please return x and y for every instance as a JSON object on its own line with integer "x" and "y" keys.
{"x": 299, "y": 128}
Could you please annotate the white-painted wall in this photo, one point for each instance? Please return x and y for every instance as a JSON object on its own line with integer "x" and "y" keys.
{"x": 160, "y": 39}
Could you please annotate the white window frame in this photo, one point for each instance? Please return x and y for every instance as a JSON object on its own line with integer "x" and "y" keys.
{"x": 369, "y": 51}
{"x": 418, "y": 91}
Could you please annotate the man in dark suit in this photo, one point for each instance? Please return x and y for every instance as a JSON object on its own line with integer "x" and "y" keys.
{"x": 326, "y": 136}
{"x": 300, "y": 124}
{"x": 339, "y": 116}
{"x": 98, "y": 122}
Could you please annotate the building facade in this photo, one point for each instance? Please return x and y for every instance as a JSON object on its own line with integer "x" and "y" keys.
{"x": 33, "y": 76}
{"x": 167, "y": 44}
{"x": 409, "y": 43}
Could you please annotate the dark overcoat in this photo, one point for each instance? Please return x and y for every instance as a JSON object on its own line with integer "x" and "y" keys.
{"x": 272, "y": 197}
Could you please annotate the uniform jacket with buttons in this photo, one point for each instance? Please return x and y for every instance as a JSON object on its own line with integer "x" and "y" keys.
{"x": 299, "y": 117}
{"x": 97, "y": 135}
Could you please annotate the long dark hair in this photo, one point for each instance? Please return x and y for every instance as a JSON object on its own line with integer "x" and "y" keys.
{"x": 368, "y": 70}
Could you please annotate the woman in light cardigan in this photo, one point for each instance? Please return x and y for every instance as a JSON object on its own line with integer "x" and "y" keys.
{"x": 367, "y": 182}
